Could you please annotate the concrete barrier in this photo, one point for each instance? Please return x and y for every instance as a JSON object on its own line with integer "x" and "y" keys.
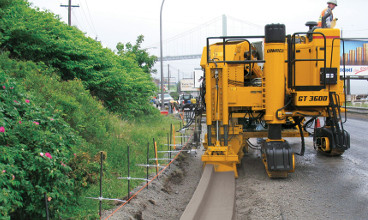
{"x": 358, "y": 110}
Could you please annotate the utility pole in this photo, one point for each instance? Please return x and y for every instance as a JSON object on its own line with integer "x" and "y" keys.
{"x": 70, "y": 11}
{"x": 168, "y": 77}
{"x": 161, "y": 62}
{"x": 178, "y": 82}
{"x": 224, "y": 25}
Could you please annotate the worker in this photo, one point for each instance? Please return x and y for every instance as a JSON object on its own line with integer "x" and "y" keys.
{"x": 326, "y": 17}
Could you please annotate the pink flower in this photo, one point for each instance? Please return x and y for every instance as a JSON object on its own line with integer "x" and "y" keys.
{"x": 75, "y": 155}
{"x": 15, "y": 101}
{"x": 36, "y": 122}
{"x": 11, "y": 88}
{"x": 41, "y": 154}
{"x": 4, "y": 87}
{"x": 20, "y": 122}
{"x": 48, "y": 155}
{"x": 4, "y": 171}
{"x": 2, "y": 129}
{"x": 62, "y": 164}
{"x": 27, "y": 101}
{"x": 13, "y": 177}
{"x": 51, "y": 119}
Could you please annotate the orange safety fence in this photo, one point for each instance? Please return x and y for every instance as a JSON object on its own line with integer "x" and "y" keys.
{"x": 135, "y": 194}
{"x": 157, "y": 168}
{"x": 182, "y": 116}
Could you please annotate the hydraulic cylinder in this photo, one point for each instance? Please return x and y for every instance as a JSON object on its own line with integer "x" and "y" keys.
{"x": 274, "y": 73}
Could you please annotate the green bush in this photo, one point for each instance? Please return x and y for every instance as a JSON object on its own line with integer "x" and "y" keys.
{"x": 37, "y": 149}
{"x": 118, "y": 81}
{"x": 100, "y": 130}
{"x": 54, "y": 86}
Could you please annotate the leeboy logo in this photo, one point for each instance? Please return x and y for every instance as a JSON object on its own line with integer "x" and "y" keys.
{"x": 275, "y": 50}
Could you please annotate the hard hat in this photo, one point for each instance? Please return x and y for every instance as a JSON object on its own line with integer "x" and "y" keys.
{"x": 332, "y": 2}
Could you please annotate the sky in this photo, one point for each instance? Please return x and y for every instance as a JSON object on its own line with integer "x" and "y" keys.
{"x": 113, "y": 21}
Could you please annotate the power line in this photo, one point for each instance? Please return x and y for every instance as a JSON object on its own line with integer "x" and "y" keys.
{"x": 77, "y": 21}
{"x": 89, "y": 13}
{"x": 176, "y": 69}
{"x": 88, "y": 22}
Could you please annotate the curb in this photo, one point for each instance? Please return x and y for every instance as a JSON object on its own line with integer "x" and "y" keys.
{"x": 197, "y": 201}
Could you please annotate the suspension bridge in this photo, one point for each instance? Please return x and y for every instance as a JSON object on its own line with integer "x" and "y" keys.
{"x": 189, "y": 44}
{"x": 182, "y": 52}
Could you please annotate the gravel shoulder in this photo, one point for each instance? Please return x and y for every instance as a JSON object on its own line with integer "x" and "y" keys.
{"x": 168, "y": 196}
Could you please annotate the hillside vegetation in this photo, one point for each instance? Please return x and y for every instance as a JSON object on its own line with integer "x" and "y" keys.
{"x": 40, "y": 37}
{"x": 64, "y": 98}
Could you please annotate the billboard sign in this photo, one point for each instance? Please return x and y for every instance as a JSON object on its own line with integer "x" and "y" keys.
{"x": 355, "y": 57}
{"x": 187, "y": 85}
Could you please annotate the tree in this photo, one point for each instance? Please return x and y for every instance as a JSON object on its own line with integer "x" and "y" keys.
{"x": 143, "y": 58}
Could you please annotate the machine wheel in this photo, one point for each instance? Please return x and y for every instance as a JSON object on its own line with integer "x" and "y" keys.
{"x": 324, "y": 142}
{"x": 332, "y": 153}
{"x": 278, "y": 159}
{"x": 273, "y": 174}
{"x": 323, "y": 145}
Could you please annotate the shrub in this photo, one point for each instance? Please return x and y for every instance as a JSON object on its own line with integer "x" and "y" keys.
{"x": 78, "y": 108}
{"x": 37, "y": 149}
{"x": 118, "y": 81}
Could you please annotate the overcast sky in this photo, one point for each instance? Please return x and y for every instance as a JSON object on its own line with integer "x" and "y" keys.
{"x": 113, "y": 21}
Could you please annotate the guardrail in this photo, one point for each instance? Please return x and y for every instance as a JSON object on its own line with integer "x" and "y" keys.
{"x": 359, "y": 110}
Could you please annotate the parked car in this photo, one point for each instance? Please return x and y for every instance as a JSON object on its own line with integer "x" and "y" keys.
{"x": 184, "y": 100}
{"x": 167, "y": 99}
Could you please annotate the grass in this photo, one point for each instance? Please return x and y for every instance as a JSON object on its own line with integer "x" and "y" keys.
{"x": 357, "y": 104}
{"x": 101, "y": 130}
{"x": 137, "y": 135}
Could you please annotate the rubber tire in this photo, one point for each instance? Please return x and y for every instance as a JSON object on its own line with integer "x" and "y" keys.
{"x": 332, "y": 153}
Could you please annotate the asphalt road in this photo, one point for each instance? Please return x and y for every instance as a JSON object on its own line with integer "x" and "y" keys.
{"x": 321, "y": 187}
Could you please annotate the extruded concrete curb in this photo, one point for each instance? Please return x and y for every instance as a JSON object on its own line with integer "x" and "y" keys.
{"x": 196, "y": 203}
{"x": 214, "y": 197}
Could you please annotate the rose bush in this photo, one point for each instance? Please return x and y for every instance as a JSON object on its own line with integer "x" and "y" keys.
{"x": 37, "y": 153}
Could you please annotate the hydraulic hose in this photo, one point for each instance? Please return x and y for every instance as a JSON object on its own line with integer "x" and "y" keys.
{"x": 302, "y": 150}
{"x": 280, "y": 109}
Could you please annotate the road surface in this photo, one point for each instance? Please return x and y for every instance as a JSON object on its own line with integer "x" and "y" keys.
{"x": 321, "y": 187}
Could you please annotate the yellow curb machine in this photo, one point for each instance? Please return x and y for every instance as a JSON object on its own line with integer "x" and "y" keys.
{"x": 271, "y": 93}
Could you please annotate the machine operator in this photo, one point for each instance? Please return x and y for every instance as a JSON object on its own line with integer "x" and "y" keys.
{"x": 326, "y": 17}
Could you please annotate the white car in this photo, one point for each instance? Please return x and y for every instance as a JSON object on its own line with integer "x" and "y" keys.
{"x": 167, "y": 99}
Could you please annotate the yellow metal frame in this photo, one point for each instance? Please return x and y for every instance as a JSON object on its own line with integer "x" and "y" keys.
{"x": 226, "y": 92}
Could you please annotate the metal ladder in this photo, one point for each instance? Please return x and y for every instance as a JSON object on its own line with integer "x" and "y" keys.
{"x": 337, "y": 128}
